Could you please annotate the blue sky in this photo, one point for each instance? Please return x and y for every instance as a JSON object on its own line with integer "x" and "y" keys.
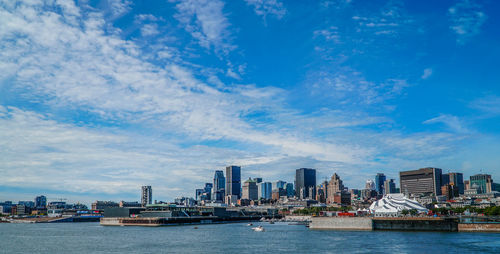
{"x": 100, "y": 97}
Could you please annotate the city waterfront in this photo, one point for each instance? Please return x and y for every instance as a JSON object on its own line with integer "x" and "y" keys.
{"x": 232, "y": 238}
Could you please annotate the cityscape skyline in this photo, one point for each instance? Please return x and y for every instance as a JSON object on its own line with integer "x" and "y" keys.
{"x": 99, "y": 97}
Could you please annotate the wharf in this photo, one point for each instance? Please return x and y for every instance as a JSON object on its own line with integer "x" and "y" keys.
{"x": 173, "y": 221}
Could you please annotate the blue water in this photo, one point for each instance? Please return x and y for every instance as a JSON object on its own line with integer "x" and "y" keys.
{"x": 232, "y": 238}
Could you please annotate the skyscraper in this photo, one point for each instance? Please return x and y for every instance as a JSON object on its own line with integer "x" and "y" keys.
{"x": 389, "y": 186}
{"x": 379, "y": 183}
{"x": 457, "y": 179}
{"x": 482, "y": 182}
{"x": 250, "y": 190}
{"x": 289, "y": 190}
{"x": 334, "y": 186}
{"x": 421, "y": 181}
{"x": 233, "y": 181}
{"x": 305, "y": 182}
{"x": 147, "y": 195}
{"x": 264, "y": 190}
{"x": 40, "y": 202}
{"x": 219, "y": 186}
{"x": 279, "y": 185}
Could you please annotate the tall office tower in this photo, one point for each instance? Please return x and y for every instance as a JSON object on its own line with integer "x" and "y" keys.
{"x": 250, "y": 190}
{"x": 322, "y": 192}
{"x": 279, "y": 185}
{"x": 482, "y": 182}
{"x": 264, "y": 190}
{"x": 258, "y": 179}
{"x": 147, "y": 195}
{"x": 334, "y": 186}
{"x": 40, "y": 202}
{"x": 389, "y": 186}
{"x": 370, "y": 184}
{"x": 305, "y": 178}
{"x": 219, "y": 186}
{"x": 421, "y": 182}
{"x": 457, "y": 179}
{"x": 379, "y": 183}
{"x": 445, "y": 179}
{"x": 233, "y": 181}
{"x": 289, "y": 190}
{"x": 467, "y": 184}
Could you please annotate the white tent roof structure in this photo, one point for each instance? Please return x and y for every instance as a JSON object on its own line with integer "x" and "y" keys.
{"x": 395, "y": 203}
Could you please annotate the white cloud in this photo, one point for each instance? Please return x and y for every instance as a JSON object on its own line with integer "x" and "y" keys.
{"x": 267, "y": 8}
{"x": 489, "y": 104}
{"x": 427, "y": 73}
{"x": 149, "y": 30}
{"x": 118, "y": 7}
{"x": 466, "y": 19}
{"x": 452, "y": 122}
{"x": 206, "y": 22}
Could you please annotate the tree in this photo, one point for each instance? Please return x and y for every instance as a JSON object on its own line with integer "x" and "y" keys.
{"x": 404, "y": 212}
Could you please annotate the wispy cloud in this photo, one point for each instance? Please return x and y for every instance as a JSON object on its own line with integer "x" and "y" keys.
{"x": 489, "y": 105}
{"x": 206, "y": 22}
{"x": 466, "y": 19}
{"x": 454, "y": 123}
{"x": 118, "y": 7}
{"x": 267, "y": 8}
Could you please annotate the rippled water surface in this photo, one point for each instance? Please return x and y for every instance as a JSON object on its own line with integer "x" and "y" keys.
{"x": 232, "y": 238}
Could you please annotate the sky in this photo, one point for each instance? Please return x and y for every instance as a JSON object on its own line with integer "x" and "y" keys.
{"x": 100, "y": 97}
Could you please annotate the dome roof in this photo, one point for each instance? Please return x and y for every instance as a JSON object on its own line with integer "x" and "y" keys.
{"x": 395, "y": 203}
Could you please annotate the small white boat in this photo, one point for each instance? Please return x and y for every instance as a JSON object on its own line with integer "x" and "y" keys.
{"x": 249, "y": 224}
{"x": 258, "y": 229}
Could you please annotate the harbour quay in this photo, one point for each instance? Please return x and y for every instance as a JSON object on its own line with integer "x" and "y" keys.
{"x": 401, "y": 224}
{"x": 171, "y": 215}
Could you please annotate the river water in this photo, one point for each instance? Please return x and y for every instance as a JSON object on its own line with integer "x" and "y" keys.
{"x": 232, "y": 238}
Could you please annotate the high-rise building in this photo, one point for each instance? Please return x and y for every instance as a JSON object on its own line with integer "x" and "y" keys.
{"x": 322, "y": 192}
{"x": 423, "y": 181}
{"x": 389, "y": 186}
{"x": 219, "y": 186}
{"x": 457, "y": 179}
{"x": 305, "y": 181}
{"x": 258, "y": 179}
{"x": 482, "y": 182}
{"x": 279, "y": 185}
{"x": 40, "y": 202}
{"x": 233, "y": 181}
{"x": 379, "y": 183}
{"x": 289, "y": 190}
{"x": 370, "y": 184}
{"x": 250, "y": 190}
{"x": 147, "y": 195}
{"x": 467, "y": 184}
{"x": 334, "y": 186}
{"x": 264, "y": 190}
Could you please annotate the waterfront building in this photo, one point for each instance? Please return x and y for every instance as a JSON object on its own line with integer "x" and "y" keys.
{"x": 197, "y": 194}
{"x": 147, "y": 195}
{"x": 219, "y": 186}
{"x": 233, "y": 181}
{"x": 335, "y": 186}
{"x": 101, "y": 205}
{"x": 129, "y": 204}
{"x": 250, "y": 190}
{"x": 342, "y": 198}
{"x": 483, "y": 183}
{"x": 305, "y": 181}
{"x": 279, "y": 185}
{"x": 289, "y": 190}
{"x": 394, "y": 204}
{"x": 29, "y": 204}
{"x": 450, "y": 191}
{"x": 389, "y": 186}
{"x": 264, "y": 190}
{"x": 379, "y": 183}
{"x": 424, "y": 181}
{"x": 40, "y": 202}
